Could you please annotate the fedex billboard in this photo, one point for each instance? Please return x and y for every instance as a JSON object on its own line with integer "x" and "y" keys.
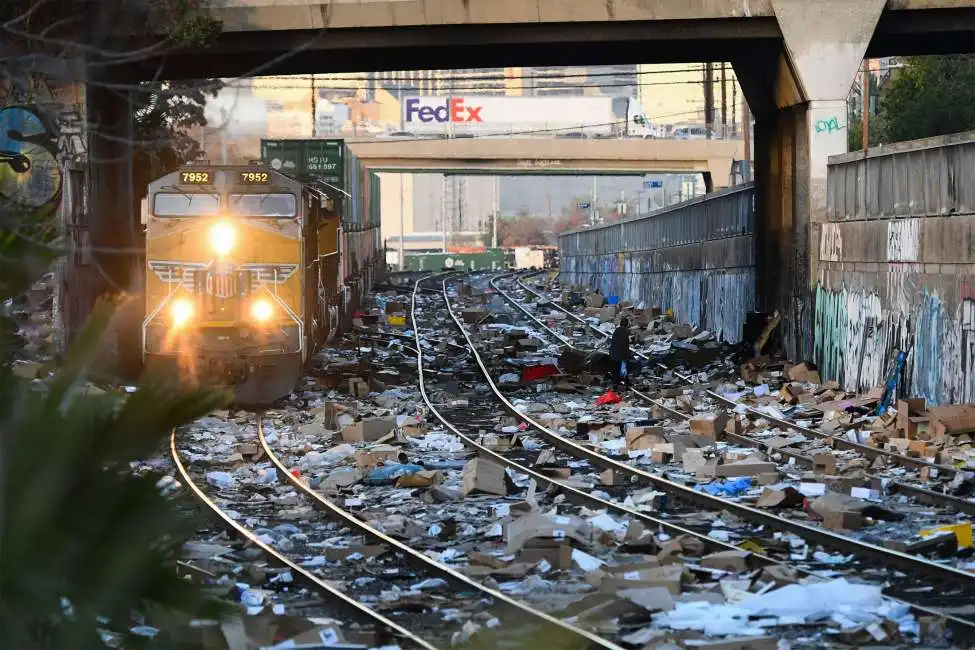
{"x": 450, "y": 109}
{"x": 493, "y": 114}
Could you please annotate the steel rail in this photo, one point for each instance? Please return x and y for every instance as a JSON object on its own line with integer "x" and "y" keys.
{"x": 884, "y": 556}
{"x": 345, "y": 603}
{"x": 571, "y": 492}
{"x": 418, "y": 558}
{"x": 924, "y": 495}
{"x": 961, "y": 626}
{"x": 842, "y": 443}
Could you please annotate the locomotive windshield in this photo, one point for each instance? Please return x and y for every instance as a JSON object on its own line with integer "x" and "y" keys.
{"x": 282, "y": 206}
{"x": 185, "y": 205}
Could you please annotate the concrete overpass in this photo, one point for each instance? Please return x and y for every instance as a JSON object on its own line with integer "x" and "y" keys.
{"x": 795, "y": 60}
{"x": 289, "y": 36}
{"x": 712, "y": 158}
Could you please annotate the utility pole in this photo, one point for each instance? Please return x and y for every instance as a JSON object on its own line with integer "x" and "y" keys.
{"x": 864, "y": 113}
{"x": 314, "y": 109}
{"x": 724, "y": 102}
{"x": 592, "y": 205}
{"x": 402, "y": 116}
{"x": 708, "y": 98}
{"x": 734, "y": 109}
{"x": 497, "y": 208}
{"x": 443, "y": 209}
{"x": 402, "y": 227}
{"x": 746, "y": 125}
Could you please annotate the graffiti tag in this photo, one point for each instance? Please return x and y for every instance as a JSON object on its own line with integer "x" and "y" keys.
{"x": 830, "y": 125}
{"x": 831, "y": 243}
{"x": 30, "y": 176}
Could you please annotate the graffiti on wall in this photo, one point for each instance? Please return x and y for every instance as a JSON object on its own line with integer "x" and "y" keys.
{"x": 717, "y": 299}
{"x": 831, "y": 243}
{"x": 904, "y": 240}
{"x": 30, "y": 176}
{"x": 856, "y": 338}
{"x": 829, "y": 125}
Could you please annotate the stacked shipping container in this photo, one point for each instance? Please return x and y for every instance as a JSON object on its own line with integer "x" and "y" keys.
{"x": 332, "y": 162}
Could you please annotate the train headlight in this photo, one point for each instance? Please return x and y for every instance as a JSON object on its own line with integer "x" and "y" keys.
{"x": 222, "y": 238}
{"x": 262, "y": 311}
{"x": 181, "y": 312}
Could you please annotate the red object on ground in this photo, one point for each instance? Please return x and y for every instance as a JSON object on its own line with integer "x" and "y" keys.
{"x": 295, "y": 472}
{"x": 531, "y": 373}
{"x": 609, "y": 397}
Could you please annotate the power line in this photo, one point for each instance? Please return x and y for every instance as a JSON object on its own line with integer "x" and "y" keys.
{"x": 448, "y": 74}
{"x": 573, "y": 129}
{"x": 473, "y": 90}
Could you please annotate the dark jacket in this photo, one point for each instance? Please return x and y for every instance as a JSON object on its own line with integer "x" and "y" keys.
{"x": 619, "y": 347}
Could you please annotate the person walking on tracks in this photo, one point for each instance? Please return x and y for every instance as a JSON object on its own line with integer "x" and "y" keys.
{"x": 619, "y": 353}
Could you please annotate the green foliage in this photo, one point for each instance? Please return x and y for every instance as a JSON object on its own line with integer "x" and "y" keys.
{"x": 854, "y": 131}
{"x": 931, "y": 95}
{"x": 165, "y": 114}
{"x": 75, "y": 523}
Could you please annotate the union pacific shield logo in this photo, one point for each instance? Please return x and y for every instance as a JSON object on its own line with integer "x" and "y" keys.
{"x": 221, "y": 277}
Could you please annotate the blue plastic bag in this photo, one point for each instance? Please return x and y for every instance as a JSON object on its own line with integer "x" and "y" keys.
{"x": 390, "y": 472}
{"x": 733, "y": 488}
{"x": 623, "y": 369}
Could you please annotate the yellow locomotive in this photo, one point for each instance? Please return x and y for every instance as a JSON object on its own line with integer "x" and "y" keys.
{"x": 241, "y": 278}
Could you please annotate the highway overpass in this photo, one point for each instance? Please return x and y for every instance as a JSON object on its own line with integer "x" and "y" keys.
{"x": 712, "y": 158}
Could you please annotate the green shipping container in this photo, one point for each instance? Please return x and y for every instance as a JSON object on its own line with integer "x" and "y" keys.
{"x": 307, "y": 159}
{"x": 491, "y": 260}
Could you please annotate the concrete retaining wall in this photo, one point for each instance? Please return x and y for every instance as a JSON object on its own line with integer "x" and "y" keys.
{"x": 697, "y": 258}
{"x": 897, "y": 268}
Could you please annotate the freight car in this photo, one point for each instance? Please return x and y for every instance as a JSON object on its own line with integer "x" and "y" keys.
{"x": 244, "y": 276}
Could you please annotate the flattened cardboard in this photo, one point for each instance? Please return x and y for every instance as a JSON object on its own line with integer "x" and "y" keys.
{"x": 368, "y": 429}
{"x": 553, "y": 529}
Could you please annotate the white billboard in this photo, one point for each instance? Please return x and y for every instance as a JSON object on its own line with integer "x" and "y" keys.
{"x": 485, "y": 115}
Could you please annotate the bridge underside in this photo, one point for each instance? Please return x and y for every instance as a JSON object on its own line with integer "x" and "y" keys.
{"x": 711, "y": 158}
{"x": 596, "y": 42}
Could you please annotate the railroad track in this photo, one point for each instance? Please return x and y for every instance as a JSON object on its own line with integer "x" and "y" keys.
{"x": 507, "y": 617}
{"x": 924, "y": 571}
{"x": 921, "y": 493}
{"x": 503, "y": 620}
{"x": 334, "y": 602}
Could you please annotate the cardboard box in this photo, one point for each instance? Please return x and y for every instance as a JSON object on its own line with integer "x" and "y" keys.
{"x": 662, "y": 454}
{"x": 594, "y": 301}
{"x": 484, "y": 476}
{"x": 558, "y": 554}
{"x": 905, "y": 409}
{"x": 358, "y": 387}
{"x": 733, "y": 561}
{"x": 747, "y": 467}
{"x": 535, "y": 526}
{"x": 368, "y": 430}
{"x": 638, "y": 438}
{"x": 607, "y": 314}
{"x": 378, "y": 455}
{"x": 951, "y": 420}
{"x": 709, "y": 424}
{"x": 802, "y": 372}
{"x": 824, "y": 463}
{"x": 669, "y": 577}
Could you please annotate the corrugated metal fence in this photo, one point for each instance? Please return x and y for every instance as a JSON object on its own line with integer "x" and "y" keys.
{"x": 696, "y": 258}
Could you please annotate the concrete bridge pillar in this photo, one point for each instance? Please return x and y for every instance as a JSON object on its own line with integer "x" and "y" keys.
{"x": 797, "y": 92}
{"x": 114, "y": 229}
